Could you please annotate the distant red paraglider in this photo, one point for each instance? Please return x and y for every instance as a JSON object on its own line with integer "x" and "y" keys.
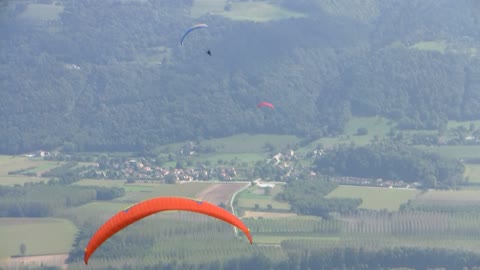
{"x": 265, "y": 104}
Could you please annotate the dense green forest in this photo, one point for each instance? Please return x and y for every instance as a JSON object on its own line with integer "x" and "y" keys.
{"x": 393, "y": 162}
{"x": 110, "y": 75}
{"x": 307, "y": 197}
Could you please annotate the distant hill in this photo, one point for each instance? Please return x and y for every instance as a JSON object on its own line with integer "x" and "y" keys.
{"x": 110, "y": 74}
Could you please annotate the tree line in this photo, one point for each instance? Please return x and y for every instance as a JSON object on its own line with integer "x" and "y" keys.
{"x": 44, "y": 200}
{"x": 307, "y": 197}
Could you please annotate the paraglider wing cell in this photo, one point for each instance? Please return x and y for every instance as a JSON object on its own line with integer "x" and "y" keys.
{"x": 265, "y": 104}
{"x": 148, "y": 207}
{"x": 195, "y": 27}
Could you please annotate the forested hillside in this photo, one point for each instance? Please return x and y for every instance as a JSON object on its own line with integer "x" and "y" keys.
{"x": 111, "y": 75}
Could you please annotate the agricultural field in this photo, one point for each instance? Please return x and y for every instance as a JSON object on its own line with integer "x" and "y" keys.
{"x": 277, "y": 239}
{"x": 472, "y": 173}
{"x": 377, "y": 127}
{"x": 449, "y": 197}
{"x": 202, "y": 7}
{"x": 27, "y": 165}
{"x": 454, "y": 151}
{"x": 220, "y": 193}
{"x": 436, "y": 46}
{"x": 45, "y": 12}
{"x": 466, "y": 124}
{"x": 100, "y": 210}
{"x": 184, "y": 189}
{"x": 144, "y": 190}
{"x": 375, "y": 198}
{"x": 425, "y": 229}
{"x": 375, "y": 242}
{"x": 373, "y": 230}
{"x": 256, "y": 11}
{"x": 256, "y": 195}
{"x": 41, "y": 236}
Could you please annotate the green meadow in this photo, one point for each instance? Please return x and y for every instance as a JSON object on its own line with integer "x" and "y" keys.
{"x": 255, "y": 195}
{"x": 378, "y": 127}
{"x": 465, "y": 124}
{"x": 13, "y": 163}
{"x": 46, "y": 12}
{"x": 449, "y": 197}
{"x": 202, "y": 7}
{"x": 454, "y": 151}
{"x": 29, "y": 165}
{"x": 276, "y": 239}
{"x": 435, "y": 45}
{"x": 141, "y": 191}
{"x": 41, "y": 236}
{"x": 257, "y": 11}
{"x": 375, "y": 198}
{"x": 472, "y": 173}
{"x": 94, "y": 210}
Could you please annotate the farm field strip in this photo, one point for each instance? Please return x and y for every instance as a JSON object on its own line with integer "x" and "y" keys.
{"x": 472, "y": 172}
{"x": 40, "y": 235}
{"x": 464, "y": 197}
{"x": 375, "y": 198}
{"x": 255, "y": 195}
{"x": 15, "y": 163}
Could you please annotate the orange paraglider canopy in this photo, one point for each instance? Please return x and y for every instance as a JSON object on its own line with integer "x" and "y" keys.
{"x": 151, "y": 206}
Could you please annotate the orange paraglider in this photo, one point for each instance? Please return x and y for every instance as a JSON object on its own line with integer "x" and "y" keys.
{"x": 149, "y": 207}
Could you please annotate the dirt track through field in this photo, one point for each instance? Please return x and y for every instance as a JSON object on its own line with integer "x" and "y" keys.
{"x": 220, "y": 192}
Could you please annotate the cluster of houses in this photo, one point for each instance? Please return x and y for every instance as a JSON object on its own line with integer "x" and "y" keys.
{"x": 143, "y": 169}
{"x": 38, "y": 154}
